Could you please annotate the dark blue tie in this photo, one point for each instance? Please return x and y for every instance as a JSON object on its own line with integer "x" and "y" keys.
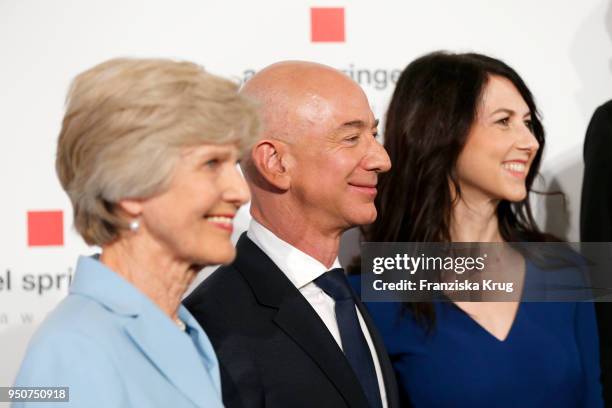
{"x": 356, "y": 349}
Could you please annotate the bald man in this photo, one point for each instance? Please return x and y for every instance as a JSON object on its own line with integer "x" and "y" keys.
{"x": 287, "y": 330}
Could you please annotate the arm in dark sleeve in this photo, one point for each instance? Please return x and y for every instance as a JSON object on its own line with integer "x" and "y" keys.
{"x": 240, "y": 379}
{"x": 596, "y": 205}
{"x": 596, "y": 217}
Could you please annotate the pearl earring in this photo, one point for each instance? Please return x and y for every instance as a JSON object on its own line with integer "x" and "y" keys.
{"x": 134, "y": 225}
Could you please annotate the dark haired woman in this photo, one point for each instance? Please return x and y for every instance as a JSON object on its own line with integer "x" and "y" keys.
{"x": 465, "y": 141}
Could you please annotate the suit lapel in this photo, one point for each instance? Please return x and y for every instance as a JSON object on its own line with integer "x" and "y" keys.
{"x": 304, "y": 326}
{"x": 297, "y": 319}
{"x": 181, "y": 365}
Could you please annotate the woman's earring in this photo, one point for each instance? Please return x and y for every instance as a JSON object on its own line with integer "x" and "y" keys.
{"x": 134, "y": 225}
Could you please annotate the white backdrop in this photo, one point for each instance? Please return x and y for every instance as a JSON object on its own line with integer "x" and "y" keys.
{"x": 563, "y": 49}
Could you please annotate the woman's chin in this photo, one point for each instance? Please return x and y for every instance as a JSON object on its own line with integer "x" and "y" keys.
{"x": 515, "y": 196}
{"x": 218, "y": 256}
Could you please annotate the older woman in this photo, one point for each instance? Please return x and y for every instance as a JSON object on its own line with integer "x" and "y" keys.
{"x": 465, "y": 141}
{"x": 147, "y": 154}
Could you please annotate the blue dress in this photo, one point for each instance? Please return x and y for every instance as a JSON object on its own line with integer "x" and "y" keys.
{"x": 550, "y": 357}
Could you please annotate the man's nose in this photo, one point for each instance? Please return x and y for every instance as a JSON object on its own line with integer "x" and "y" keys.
{"x": 377, "y": 158}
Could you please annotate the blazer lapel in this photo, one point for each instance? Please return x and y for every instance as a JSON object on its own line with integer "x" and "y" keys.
{"x": 298, "y": 319}
{"x": 182, "y": 366}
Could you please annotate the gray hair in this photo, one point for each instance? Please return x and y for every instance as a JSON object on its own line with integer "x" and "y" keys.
{"x": 127, "y": 121}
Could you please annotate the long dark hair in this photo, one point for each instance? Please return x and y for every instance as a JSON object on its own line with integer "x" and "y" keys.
{"x": 431, "y": 112}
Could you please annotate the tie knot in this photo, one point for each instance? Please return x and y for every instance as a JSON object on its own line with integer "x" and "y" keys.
{"x": 335, "y": 284}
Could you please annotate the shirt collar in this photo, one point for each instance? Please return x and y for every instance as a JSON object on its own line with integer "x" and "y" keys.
{"x": 98, "y": 282}
{"x": 299, "y": 267}
{"x": 95, "y": 280}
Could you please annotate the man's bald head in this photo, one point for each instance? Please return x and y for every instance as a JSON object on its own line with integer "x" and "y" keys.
{"x": 292, "y": 95}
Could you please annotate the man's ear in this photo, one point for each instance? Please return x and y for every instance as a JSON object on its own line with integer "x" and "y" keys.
{"x": 273, "y": 162}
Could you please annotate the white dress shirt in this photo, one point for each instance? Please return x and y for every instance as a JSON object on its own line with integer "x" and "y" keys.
{"x": 302, "y": 269}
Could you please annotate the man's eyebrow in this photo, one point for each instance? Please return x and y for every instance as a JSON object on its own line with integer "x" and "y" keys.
{"x": 358, "y": 124}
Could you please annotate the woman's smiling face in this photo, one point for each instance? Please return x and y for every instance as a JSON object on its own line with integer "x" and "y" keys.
{"x": 192, "y": 219}
{"x": 500, "y": 146}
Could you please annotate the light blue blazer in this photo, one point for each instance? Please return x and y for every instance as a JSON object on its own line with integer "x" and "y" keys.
{"x": 115, "y": 348}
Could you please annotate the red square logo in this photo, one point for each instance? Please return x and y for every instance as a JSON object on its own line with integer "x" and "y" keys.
{"x": 45, "y": 228}
{"x": 327, "y": 24}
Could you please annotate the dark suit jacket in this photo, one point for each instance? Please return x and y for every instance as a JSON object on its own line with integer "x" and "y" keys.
{"x": 596, "y": 219}
{"x": 596, "y": 206}
{"x": 273, "y": 349}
